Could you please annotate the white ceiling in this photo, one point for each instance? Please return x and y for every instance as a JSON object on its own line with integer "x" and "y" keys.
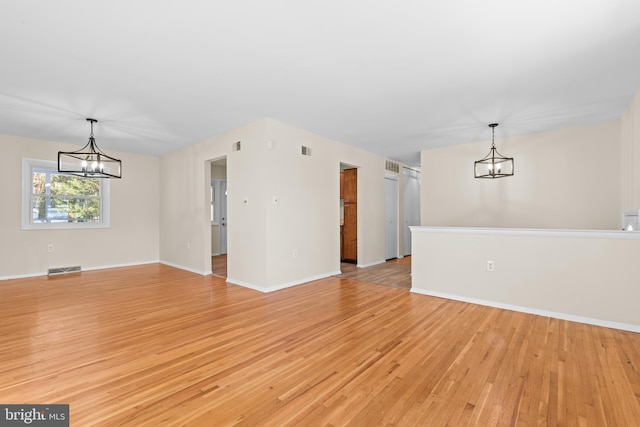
{"x": 391, "y": 77}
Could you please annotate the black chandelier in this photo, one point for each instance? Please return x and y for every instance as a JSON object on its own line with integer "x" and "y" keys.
{"x": 89, "y": 161}
{"x": 494, "y": 164}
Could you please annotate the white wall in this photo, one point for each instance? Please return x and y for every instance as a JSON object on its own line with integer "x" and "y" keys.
{"x": 567, "y": 178}
{"x": 262, "y": 235}
{"x": 132, "y": 237}
{"x": 583, "y": 276}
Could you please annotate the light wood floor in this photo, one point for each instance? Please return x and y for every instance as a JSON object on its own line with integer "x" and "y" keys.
{"x": 156, "y": 346}
{"x": 219, "y": 265}
{"x": 395, "y": 273}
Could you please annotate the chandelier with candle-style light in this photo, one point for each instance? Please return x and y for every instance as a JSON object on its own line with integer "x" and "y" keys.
{"x": 494, "y": 164}
{"x": 89, "y": 161}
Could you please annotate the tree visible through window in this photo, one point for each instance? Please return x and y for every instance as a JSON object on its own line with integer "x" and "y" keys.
{"x": 65, "y": 200}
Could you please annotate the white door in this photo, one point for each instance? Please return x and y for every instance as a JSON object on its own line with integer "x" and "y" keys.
{"x": 223, "y": 217}
{"x": 391, "y": 226}
{"x": 411, "y": 205}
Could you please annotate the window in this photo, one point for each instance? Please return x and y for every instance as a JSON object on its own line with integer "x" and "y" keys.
{"x": 55, "y": 200}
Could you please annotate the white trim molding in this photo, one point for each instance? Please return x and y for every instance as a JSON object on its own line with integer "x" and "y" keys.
{"x": 529, "y": 310}
{"x": 589, "y": 234}
{"x": 267, "y": 289}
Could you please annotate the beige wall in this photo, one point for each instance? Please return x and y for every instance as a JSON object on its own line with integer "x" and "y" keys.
{"x": 218, "y": 171}
{"x": 132, "y": 237}
{"x": 185, "y": 226}
{"x": 215, "y": 240}
{"x": 582, "y": 276}
{"x": 307, "y": 216}
{"x": 262, "y": 236}
{"x": 576, "y": 178}
{"x": 630, "y": 155}
{"x": 567, "y": 178}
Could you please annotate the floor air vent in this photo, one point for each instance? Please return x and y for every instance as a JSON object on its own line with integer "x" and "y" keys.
{"x": 64, "y": 270}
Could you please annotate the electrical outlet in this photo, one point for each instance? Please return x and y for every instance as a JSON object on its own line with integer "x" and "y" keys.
{"x": 50, "y": 248}
{"x": 490, "y": 266}
{"x": 275, "y": 200}
{"x": 294, "y": 253}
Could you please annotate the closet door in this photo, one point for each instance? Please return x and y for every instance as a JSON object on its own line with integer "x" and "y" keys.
{"x": 411, "y": 205}
{"x": 391, "y": 218}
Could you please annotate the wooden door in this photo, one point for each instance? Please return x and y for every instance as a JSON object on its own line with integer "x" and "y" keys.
{"x": 350, "y": 186}
{"x": 349, "y": 233}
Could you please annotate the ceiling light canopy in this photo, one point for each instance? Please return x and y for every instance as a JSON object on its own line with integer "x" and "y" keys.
{"x": 89, "y": 161}
{"x": 494, "y": 164}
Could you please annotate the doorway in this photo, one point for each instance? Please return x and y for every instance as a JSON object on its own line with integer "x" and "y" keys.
{"x": 391, "y": 218}
{"x": 411, "y": 205}
{"x": 219, "y": 219}
{"x": 219, "y": 216}
{"x": 348, "y": 214}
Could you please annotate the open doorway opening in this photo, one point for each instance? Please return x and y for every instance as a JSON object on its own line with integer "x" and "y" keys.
{"x": 348, "y": 213}
{"x": 219, "y": 219}
{"x": 411, "y": 205}
{"x": 391, "y": 217}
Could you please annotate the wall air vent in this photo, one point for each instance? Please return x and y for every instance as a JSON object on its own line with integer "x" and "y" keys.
{"x": 64, "y": 270}
{"x": 392, "y": 166}
{"x": 306, "y": 151}
{"x": 235, "y": 146}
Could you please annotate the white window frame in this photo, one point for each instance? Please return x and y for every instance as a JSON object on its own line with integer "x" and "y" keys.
{"x": 28, "y": 165}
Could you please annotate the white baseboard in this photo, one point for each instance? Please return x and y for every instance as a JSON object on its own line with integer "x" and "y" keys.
{"x": 192, "y": 270}
{"x": 529, "y": 310}
{"x": 371, "y": 264}
{"x": 131, "y": 264}
{"x": 267, "y": 289}
{"x": 98, "y": 267}
{"x": 22, "y": 276}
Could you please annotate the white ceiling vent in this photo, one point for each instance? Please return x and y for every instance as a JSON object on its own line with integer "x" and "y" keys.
{"x": 306, "y": 151}
{"x": 235, "y": 146}
{"x": 392, "y": 166}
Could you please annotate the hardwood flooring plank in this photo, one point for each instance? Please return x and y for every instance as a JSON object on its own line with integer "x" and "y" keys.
{"x": 154, "y": 345}
{"x": 393, "y": 273}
